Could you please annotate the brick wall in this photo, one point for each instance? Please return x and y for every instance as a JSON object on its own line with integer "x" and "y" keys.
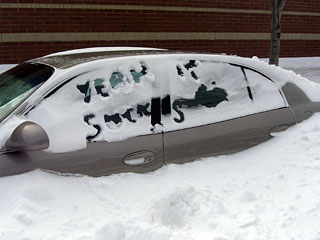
{"x": 32, "y": 28}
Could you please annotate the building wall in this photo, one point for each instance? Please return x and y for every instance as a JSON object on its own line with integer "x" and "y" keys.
{"x": 32, "y": 28}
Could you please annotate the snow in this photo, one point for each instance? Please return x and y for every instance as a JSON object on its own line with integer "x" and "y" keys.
{"x": 270, "y": 191}
{"x": 5, "y": 67}
{"x": 64, "y": 112}
{"x": 101, "y": 49}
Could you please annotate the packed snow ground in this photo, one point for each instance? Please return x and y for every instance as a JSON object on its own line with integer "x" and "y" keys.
{"x": 270, "y": 191}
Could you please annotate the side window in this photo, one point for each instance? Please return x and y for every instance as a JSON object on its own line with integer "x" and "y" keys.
{"x": 204, "y": 92}
{"x": 112, "y": 103}
{"x": 266, "y": 95}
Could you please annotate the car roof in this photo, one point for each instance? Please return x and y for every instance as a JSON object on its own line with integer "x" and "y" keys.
{"x": 72, "y": 58}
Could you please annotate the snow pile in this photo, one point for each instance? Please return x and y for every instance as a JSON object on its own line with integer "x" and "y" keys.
{"x": 268, "y": 192}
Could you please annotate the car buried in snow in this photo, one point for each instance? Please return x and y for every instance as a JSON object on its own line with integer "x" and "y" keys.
{"x": 108, "y": 110}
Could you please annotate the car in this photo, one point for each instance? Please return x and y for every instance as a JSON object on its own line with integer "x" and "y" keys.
{"x": 100, "y": 111}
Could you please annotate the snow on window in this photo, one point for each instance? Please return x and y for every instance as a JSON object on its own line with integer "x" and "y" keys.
{"x": 205, "y": 92}
{"x": 188, "y": 69}
{"x": 114, "y": 121}
{"x": 203, "y": 97}
{"x": 136, "y": 75}
{"x": 117, "y": 77}
{"x": 113, "y": 102}
{"x": 93, "y": 108}
{"x": 86, "y": 90}
{"x": 100, "y": 87}
{"x": 265, "y": 93}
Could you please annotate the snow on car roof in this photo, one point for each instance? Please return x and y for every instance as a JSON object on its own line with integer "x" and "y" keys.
{"x": 71, "y": 58}
{"x": 101, "y": 49}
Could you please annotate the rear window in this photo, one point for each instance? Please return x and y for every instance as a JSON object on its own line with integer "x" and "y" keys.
{"x": 20, "y": 82}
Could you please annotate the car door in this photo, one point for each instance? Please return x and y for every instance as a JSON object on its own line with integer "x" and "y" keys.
{"x": 99, "y": 122}
{"x": 225, "y": 108}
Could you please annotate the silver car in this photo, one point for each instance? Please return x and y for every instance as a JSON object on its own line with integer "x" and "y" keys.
{"x": 109, "y": 110}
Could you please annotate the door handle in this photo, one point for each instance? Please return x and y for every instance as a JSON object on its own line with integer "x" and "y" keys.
{"x": 139, "y": 158}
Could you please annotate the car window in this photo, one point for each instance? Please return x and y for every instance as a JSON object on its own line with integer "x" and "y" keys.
{"x": 265, "y": 93}
{"x": 19, "y": 82}
{"x": 111, "y": 103}
{"x": 204, "y": 92}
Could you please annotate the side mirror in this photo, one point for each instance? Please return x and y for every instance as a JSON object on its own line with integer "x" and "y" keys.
{"x": 28, "y": 136}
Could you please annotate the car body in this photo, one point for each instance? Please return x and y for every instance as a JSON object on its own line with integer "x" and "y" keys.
{"x": 109, "y": 110}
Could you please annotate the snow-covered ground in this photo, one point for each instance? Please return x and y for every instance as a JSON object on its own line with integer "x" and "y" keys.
{"x": 270, "y": 191}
